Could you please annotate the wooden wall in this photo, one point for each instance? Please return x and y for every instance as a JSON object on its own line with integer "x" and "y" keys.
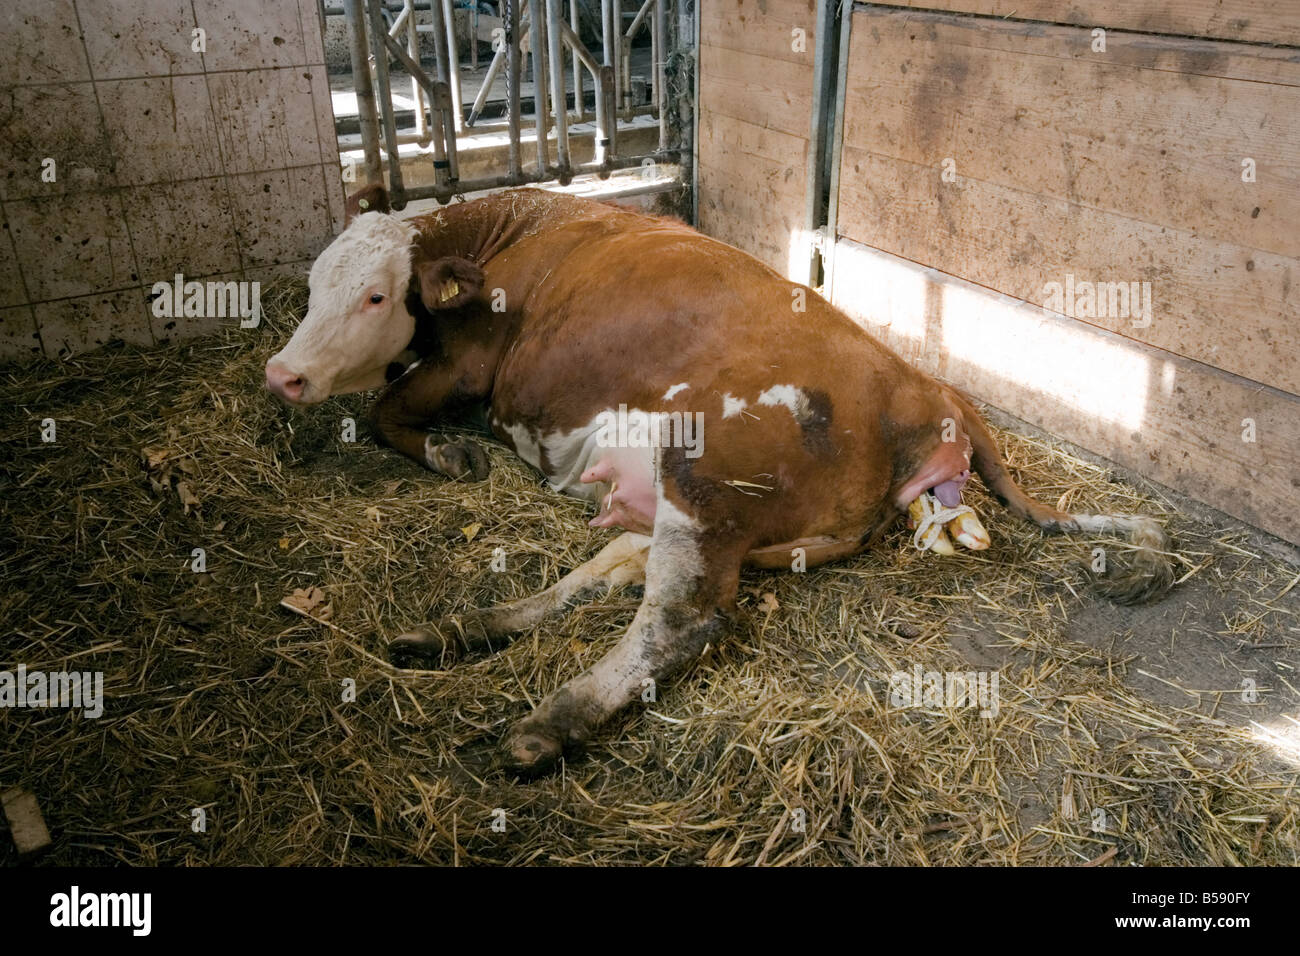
{"x": 754, "y": 117}
{"x": 1065, "y": 161}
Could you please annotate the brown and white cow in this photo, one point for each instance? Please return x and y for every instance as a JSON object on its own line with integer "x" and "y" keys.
{"x": 558, "y": 313}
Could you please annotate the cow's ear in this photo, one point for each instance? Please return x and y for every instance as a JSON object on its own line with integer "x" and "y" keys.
{"x": 373, "y": 198}
{"x": 448, "y": 283}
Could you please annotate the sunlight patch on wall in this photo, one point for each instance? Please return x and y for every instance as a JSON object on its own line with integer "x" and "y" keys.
{"x": 886, "y": 294}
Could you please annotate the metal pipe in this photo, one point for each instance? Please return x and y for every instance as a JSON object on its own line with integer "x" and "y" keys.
{"x": 659, "y": 71}
{"x": 443, "y": 150}
{"x": 639, "y": 19}
{"x": 402, "y": 19}
{"x": 555, "y": 59}
{"x": 837, "y": 145}
{"x": 815, "y": 183}
{"x": 453, "y": 63}
{"x": 510, "y": 12}
{"x": 442, "y": 96}
{"x": 443, "y": 194}
{"x": 443, "y": 100}
{"x": 537, "y": 29}
{"x": 367, "y": 118}
{"x": 622, "y": 48}
{"x": 609, "y": 35}
{"x": 579, "y": 108}
{"x": 606, "y": 89}
{"x": 379, "y": 38}
{"x": 583, "y": 55}
{"x": 499, "y": 57}
{"x": 656, "y": 50}
{"x": 609, "y": 95}
{"x": 688, "y": 53}
{"x": 413, "y": 48}
{"x": 488, "y": 79}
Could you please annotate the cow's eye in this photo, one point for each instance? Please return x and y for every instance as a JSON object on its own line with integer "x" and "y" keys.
{"x": 376, "y": 298}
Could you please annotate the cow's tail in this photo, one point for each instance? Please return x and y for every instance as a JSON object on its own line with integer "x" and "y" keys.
{"x": 1142, "y": 574}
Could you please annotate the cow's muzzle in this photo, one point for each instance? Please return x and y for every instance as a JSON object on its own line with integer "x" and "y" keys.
{"x": 284, "y": 382}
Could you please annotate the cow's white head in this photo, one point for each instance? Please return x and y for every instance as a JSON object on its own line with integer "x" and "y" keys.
{"x": 358, "y": 320}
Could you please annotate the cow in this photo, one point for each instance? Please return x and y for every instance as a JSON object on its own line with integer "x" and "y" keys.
{"x": 581, "y": 328}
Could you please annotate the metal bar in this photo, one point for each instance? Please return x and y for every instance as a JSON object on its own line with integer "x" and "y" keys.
{"x": 379, "y": 38}
{"x": 444, "y": 159}
{"x": 442, "y": 97}
{"x": 532, "y": 176}
{"x": 555, "y": 59}
{"x": 450, "y": 121}
{"x": 822, "y": 101}
{"x": 510, "y": 12}
{"x": 488, "y": 79}
{"x": 413, "y": 48}
{"x": 608, "y": 93}
{"x": 607, "y": 30}
{"x": 502, "y": 125}
{"x": 579, "y": 108}
{"x": 582, "y": 54}
{"x": 453, "y": 63}
{"x": 659, "y": 70}
{"x": 688, "y": 39}
{"x": 639, "y": 19}
{"x": 366, "y": 115}
{"x": 402, "y": 18}
{"x": 622, "y": 66}
{"x": 656, "y": 51}
{"x": 837, "y": 146}
{"x": 537, "y": 31}
{"x": 610, "y": 34}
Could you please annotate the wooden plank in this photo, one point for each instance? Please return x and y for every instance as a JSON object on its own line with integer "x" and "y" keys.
{"x": 1215, "y": 302}
{"x": 748, "y": 87}
{"x": 751, "y": 193}
{"x": 1257, "y": 21}
{"x": 26, "y": 825}
{"x": 1178, "y": 421}
{"x": 762, "y": 27}
{"x": 754, "y": 115}
{"x": 742, "y": 141}
{"x": 1154, "y": 129}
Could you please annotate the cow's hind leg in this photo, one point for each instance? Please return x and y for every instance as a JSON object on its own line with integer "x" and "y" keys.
{"x": 619, "y": 563}
{"x": 690, "y": 591}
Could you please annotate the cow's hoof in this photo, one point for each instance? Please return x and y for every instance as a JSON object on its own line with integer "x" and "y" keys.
{"x": 421, "y": 649}
{"x": 530, "y": 753}
{"x": 457, "y": 459}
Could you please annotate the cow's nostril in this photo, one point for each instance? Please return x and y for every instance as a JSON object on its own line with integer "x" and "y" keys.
{"x": 284, "y": 382}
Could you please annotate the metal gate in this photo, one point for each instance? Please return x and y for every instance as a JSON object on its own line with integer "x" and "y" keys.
{"x": 541, "y": 30}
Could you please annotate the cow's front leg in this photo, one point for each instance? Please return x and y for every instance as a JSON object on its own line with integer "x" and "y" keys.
{"x": 619, "y": 563}
{"x": 691, "y": 583}
{"x": 402, "y": 414}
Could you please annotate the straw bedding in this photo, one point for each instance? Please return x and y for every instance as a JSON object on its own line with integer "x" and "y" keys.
{"x": 779, "y": 747}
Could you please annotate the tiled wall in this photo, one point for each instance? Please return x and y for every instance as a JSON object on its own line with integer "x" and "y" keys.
{"x": 219, "y": 164}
